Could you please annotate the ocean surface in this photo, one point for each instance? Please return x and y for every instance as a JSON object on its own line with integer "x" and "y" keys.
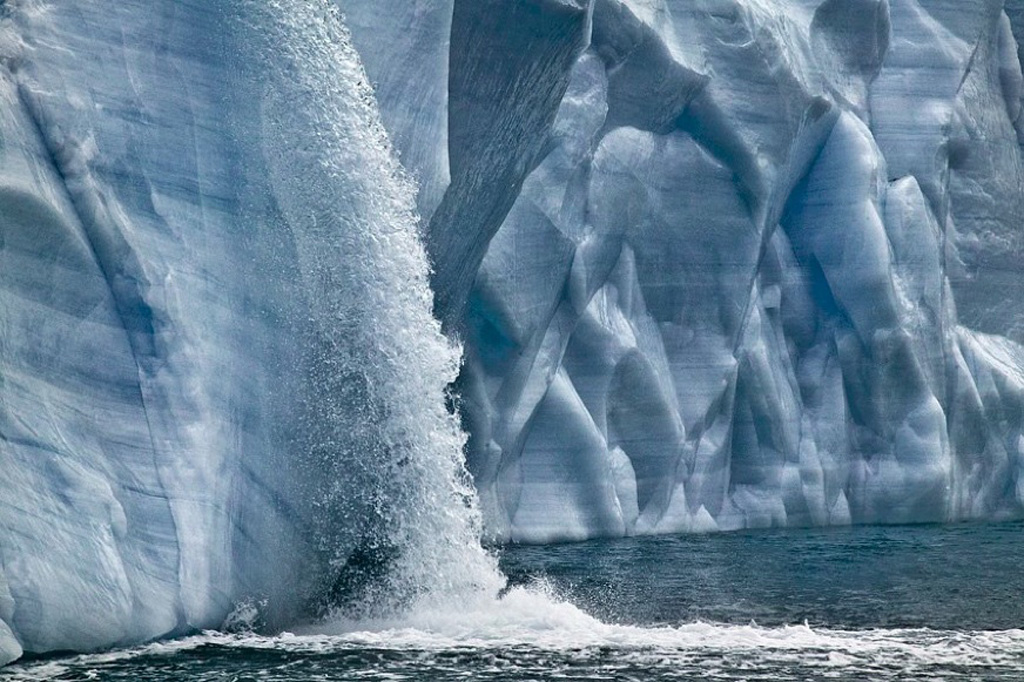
{"x": 878, "y": 603}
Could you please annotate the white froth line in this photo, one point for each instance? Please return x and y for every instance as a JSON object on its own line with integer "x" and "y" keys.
{"x": 799, "y": 644}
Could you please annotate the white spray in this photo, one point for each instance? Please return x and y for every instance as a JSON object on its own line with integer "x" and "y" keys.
{"x": 351, "y": 213}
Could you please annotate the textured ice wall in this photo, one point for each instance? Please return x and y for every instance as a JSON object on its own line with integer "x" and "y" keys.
{"x": 220, "y": 378}
{"x": 717, "y": 263}
{"x": 763, "y": 267}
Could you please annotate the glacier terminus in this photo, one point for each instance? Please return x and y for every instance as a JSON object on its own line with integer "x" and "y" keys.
{"x": 293, "y": 290}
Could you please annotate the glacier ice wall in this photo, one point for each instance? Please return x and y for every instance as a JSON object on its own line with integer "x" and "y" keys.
{"x": 762, "y": 267}
{"x": 716, "y": 264}
{"x": 221, "y": 375}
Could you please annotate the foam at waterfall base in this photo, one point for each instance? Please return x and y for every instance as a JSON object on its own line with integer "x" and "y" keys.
{"x": 536, "y": 617}
{"x": 530, "y": 626}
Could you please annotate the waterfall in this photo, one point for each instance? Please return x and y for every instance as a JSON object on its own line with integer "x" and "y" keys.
{"x": 399, "y": 502}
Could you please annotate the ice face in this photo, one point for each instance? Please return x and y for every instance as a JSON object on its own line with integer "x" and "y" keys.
{"x": 715, "y": 265}
{"x": 225, "y": 379}
{"x": 759, "y": 276}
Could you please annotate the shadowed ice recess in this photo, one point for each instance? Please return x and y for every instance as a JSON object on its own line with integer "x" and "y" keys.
{"x": 671, "y": 266}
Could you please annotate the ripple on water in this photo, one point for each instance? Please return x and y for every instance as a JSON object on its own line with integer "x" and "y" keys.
{"x": 555, "y": 642}
{"x": 938, "y": 573}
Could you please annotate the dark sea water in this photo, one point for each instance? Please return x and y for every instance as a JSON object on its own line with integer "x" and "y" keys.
{"x": 889, "y": 603}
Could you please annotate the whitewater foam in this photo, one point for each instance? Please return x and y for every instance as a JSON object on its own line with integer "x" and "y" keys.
{"x": 536, "y": 618}
{"x": 531, "y": 625}
{"x": 386, "y": 487}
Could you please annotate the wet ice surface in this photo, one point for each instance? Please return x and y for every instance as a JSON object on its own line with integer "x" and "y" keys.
{"x": 909, "y": 603}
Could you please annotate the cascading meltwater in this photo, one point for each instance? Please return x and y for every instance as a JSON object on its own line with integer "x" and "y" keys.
{"x": 400, "y": 506}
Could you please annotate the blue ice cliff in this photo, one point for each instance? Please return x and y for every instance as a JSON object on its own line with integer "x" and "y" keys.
{"x": 714, "y": 264}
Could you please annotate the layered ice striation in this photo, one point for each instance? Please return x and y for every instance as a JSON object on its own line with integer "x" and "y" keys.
{"x": 716, "y": 264}
{"x": 763, "y": 269}
{"x": 221, "y": 380}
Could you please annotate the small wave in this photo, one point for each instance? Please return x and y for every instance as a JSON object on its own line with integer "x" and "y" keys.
{"x": 531, "y": 622}
{"x": 536, "y": 618}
